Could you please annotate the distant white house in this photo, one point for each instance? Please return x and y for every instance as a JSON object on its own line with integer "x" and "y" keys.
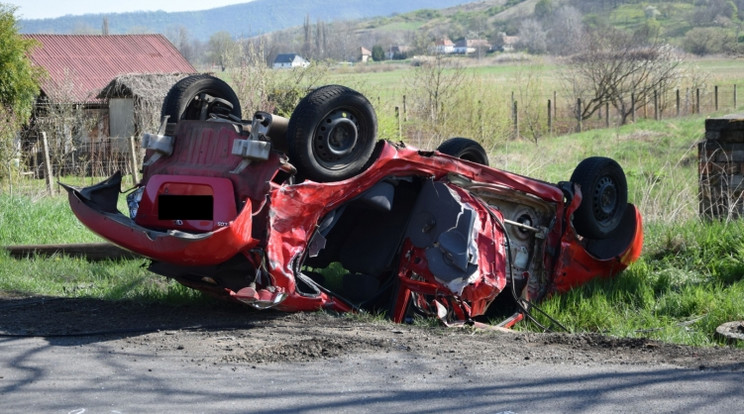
{"x": 444, "y": 46}
{"x": 467, "y": 46}
{"x": 364, "y": 55}
{"x": 509, "y": 43}
{"x": 290, "y": 60}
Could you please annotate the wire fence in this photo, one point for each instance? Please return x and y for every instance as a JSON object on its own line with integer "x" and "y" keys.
{"x": 553, "y": 114}
{"x": 48, "y": 160}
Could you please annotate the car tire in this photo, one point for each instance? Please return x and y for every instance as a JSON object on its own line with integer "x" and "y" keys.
{"x": 464, "y": 148}
{"x": 186, "y": 98}
{"x": 604, "y": 197}
{"x": 331, "y": 134}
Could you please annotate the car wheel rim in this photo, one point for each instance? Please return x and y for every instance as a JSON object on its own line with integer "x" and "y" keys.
{"x": 336, "y": 138}
{"x": 605, "y": 197}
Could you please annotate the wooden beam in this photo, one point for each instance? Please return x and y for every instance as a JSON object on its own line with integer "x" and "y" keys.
{"x": 89, "y": 251}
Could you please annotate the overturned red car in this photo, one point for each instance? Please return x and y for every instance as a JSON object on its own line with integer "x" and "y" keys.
{"x": 314, "y": 212}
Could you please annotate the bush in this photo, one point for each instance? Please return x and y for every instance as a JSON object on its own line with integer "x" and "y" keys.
{"x": 709, "y": 40}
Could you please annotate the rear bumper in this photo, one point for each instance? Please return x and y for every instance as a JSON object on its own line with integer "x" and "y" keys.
{"x": 95, "y": 207}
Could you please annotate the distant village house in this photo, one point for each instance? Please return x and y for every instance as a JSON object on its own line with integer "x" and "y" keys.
{"x": 508, "y": 43}
{"x": 364, "y": 55}
{"x": 290, "y": 60}
{"x": 469, "y": 46}
{"x": 444, "y": 46}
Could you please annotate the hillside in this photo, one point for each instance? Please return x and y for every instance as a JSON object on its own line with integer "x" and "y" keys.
{"x": 241, "y": 20}
{"x": 337, "y": 30}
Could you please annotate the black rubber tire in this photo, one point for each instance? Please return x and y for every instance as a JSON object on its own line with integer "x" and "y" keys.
{"x": 331, "y": 134}
{"x": 605, "y": 197}
{"x": 183, "y": 102}
{"x": 464, "y": 148}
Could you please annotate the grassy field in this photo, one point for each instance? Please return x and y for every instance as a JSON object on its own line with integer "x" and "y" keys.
{"x": 687, "y": 282}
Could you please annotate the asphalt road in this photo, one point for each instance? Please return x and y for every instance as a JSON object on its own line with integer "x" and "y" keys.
{"x": 104, "y": 375}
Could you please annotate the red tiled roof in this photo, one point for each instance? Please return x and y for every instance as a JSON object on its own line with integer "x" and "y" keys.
{"x": 80, "y": 66}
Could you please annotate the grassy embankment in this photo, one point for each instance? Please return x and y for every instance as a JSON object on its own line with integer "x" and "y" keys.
{"x": 688, "y": 281}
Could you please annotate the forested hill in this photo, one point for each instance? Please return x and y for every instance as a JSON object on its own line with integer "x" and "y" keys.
{"x": 240, "y": 20}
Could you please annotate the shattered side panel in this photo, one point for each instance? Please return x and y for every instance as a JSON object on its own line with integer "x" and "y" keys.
{"x": 453, "y": 259}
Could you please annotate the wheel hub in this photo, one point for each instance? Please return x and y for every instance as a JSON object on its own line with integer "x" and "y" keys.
{"x": 336, "y": 137}
{"x": 605, "y": 196}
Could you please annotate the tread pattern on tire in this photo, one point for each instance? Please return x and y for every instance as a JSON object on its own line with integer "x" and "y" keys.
{"x": 586, "y": 173}
{"x": 304, "y": 121}
{"x": 464, "y": 148}
{"x": 181, "y": 94}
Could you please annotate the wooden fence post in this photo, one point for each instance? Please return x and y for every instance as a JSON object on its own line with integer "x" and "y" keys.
{"x": 405, "y": 110}
{"x": 48, "y": 164}
{"x": 656, "y": 106}
{"x": 607, "y": 114}
{"x": 550, "y": 119}
{"x": 578, "y": 115}
{"x": 697, "y": 99}
{"x": 555, "y": 105}
{"x": 632, "y": 107}
{"x": 735, "y": 96}
{"x": 397, "y": 119}
{"x": 515, "y": 114}
{"x": 678, "y": 103}
{"x": 133, "y": 158}
{"x": 715, "y": 96}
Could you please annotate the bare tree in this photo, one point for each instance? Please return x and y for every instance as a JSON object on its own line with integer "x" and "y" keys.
{"x": 321, "y": 45}
{"x": 223, "y": 50}
{"x": 181, "y": 39}
{"x": 67, "y": 123}
{"x": 307, "y": 34}
{"x": 614, "y": 70}
{"x": 565, "y": 31}
{"x": 253, "y": 80}
{"x": 527, "y": 84}
{"x": 532, "y": 36}
{"x": 433, "y": 87}
{"x": 261, "y": 88}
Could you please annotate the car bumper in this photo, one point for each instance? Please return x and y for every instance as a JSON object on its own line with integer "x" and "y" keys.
{"x": 95, "y": 207}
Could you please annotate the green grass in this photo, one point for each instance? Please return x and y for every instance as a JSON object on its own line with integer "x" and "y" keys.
{"x": 29, "y": 216}
{"x": 687, "y": 282}
{"x": 46, "y": 220}
{"x": 74, "y": 277}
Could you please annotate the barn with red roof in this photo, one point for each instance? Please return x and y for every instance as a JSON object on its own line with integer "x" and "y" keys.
{"x": 101, "y": 88}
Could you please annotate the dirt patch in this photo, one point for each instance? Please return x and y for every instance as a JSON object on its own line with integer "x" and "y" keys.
{"x": 215, "y": 333}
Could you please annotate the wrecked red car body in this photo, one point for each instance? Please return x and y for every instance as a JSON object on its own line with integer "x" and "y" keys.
{"x": 405, "y": 231}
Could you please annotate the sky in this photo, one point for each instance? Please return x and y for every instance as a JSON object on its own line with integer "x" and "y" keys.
{"x": 42, "y": 9}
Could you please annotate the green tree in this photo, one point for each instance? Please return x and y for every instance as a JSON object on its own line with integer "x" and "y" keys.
{"x": 378, "y": 53}
{"x": 709, "y": 40}
{"x": 19, "y": 86}
{"x": 19, "y": 79}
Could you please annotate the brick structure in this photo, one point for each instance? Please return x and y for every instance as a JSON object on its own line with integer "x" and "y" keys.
{"x": 721, "y": 167}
